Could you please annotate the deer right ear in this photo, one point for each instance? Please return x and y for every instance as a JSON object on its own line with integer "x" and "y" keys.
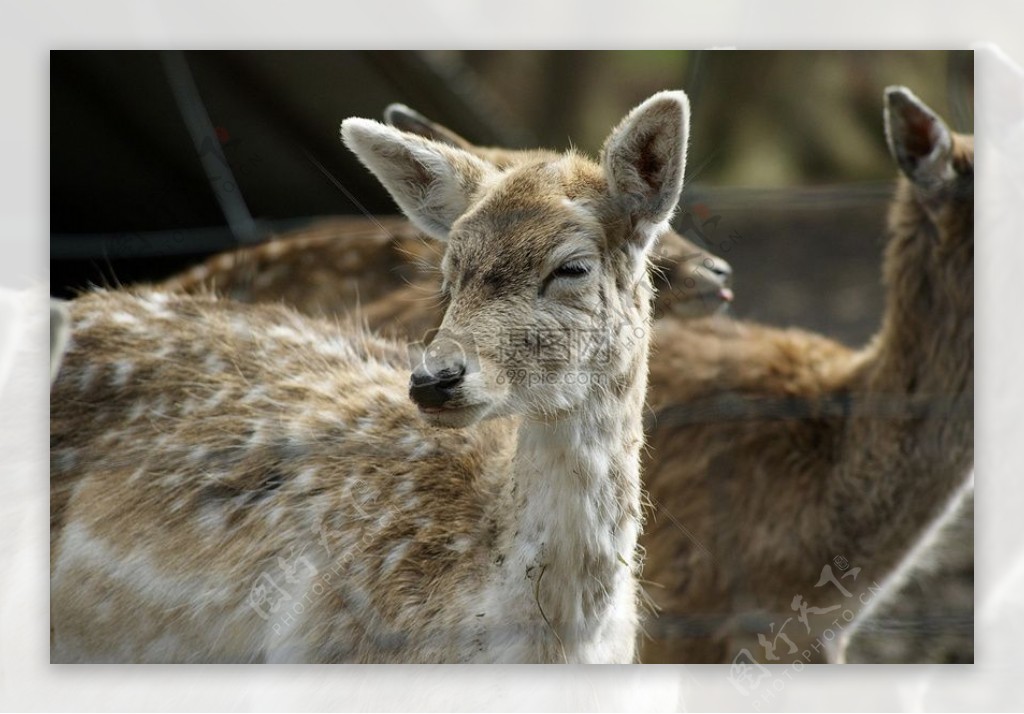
{"x": 432, "y": 183}
{"x": 918, "y": 139}
{"x": 645, "y": 156}
{"x": 405, "y": 119}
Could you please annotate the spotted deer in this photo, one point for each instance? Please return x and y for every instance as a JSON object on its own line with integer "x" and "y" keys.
{"x": 385, "y": 271}
{"x": 794, "y": 479}
{"x": 242, "y": 483}
{"x": 327, "y": 269}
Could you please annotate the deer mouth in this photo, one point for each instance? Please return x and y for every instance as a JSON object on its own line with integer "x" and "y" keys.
{"x": 709, "y": 303}
{"x": 453, "y": 416}
{"x": 714, "y": 295}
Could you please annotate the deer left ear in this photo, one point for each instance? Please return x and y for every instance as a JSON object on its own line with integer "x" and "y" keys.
{"x": 644, "y": 159}
{"x": 918, "y": 139}
{"x": 432, "y": 183}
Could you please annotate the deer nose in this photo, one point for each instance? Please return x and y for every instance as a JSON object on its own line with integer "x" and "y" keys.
{"x": 431, "y": 389}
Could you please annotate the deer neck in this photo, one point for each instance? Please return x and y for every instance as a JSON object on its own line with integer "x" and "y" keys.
{"x": 574, "y": 497}
{"x": 910, "y": 441}
{"x": 926, "y": 344}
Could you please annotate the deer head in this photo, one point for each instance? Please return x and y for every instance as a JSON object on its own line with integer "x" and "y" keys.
{"x": 545, "y": 265}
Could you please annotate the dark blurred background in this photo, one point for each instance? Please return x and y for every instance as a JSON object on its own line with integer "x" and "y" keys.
{"x": 787, "y": 148}
{"x": 160, "y": 159}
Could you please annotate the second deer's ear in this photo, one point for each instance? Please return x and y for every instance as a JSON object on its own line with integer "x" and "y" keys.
{"x": 406, "y": 119}
{"x": 432, "y": 183}
{"x": 918, "y": 139}
{"x": 645, "y": 156}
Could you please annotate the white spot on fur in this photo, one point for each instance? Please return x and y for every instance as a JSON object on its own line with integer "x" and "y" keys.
{"x": 66, "y": 459}
{"x": 422, "y": 450}
{"x": 395, "y": 556}
{"x": 214, "y": 400}
{"x": 212, "y": 516}
{"x": 333, "y": 348}
{"x": 276, "y": 515}
{"x": 124, "y": 318}
{"x": 306, "y": 477}
{"x": 253, "y": 395}
{"x": 213, "y": 364}
{"x": 122, "y": 373}
{"x": 280, "y": 332}
{"x": 160, "y": 406}
{"x": 197, "y": 454}
{"x": 155, "y": 305}
{"x": 258, "y": 438}
{"x": 86, "y": 323}
{"x": 461, "y": 545}
{"x": 87, "y": 377}
{"x": 137, "y": 411}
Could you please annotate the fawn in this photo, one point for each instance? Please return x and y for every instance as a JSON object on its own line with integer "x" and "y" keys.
{"x": 242, "y": 483}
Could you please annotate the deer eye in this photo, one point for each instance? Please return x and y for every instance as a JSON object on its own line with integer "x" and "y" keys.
{"x": 571, "y": 269}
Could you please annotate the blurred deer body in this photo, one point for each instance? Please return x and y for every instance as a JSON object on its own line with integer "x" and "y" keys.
{"x": 332, "y": 268}
{"x": 237, "y": 482}
{"x": 793, "y": 478}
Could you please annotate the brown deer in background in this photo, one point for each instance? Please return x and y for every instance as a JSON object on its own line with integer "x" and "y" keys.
{"x": 795, "y": 478}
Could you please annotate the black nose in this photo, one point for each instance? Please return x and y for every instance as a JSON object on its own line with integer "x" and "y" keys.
{"x": 434, "y": 389}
